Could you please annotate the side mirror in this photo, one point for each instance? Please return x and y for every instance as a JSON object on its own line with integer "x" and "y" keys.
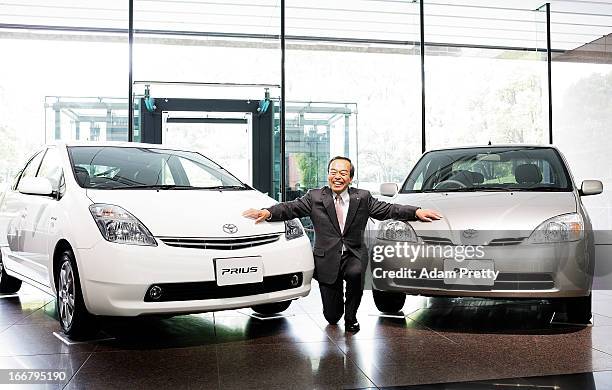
{"x": 35, "y": 186}
{"x": 591, "y": 187}
{"x": 388, "y": 189}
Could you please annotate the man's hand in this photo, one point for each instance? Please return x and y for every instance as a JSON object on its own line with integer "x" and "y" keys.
{"x": 426, "y": 215}
{"x": 257, "y": 215}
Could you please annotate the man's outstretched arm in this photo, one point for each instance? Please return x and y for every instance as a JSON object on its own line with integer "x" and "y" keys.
{"x": 284, "y": 211}
{"x": 382, "y": 210}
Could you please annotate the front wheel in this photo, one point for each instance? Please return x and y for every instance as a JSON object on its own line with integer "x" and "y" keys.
{"x": 8, "y": 283}
{"x": 74, "y": 318}
{"x": 271, "y": 308}
{"x": 388, "y": 302}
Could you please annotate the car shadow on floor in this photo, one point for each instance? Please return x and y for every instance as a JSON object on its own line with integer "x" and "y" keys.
{"x": 191, "y": 331}
{"x": 152, "y": 332}
{"x": 472, "y": 315}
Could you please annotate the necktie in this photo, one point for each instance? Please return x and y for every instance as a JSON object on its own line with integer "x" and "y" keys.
{"x": 339, "y": 212}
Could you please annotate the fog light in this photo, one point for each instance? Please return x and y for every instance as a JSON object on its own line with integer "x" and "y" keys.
{"x": 294, "y": 281}
{"x": 155, "y": 292}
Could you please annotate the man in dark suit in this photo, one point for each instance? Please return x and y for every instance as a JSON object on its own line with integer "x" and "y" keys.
{"x": 339, "y": 216}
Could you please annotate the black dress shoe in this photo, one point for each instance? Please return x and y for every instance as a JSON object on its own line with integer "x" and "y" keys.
{"x": 351, "y": 327}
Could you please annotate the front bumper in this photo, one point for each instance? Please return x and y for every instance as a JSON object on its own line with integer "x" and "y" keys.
{"x": 115, "y": 278}
{"x": 525, "y": 271}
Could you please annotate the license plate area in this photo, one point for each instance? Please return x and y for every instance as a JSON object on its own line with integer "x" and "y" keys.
{"x": 239, "y": 270}
{"x": 469, "y": 272}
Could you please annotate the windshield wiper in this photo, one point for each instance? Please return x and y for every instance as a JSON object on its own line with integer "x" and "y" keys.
{"x": 235, "y": 187}
{"x": 492, "y": 188}
{"x": 150, "y": 186}
{"x": 170, "y": 187}
{"x": 471, "y": 189}
{"x": 544, "y": 189}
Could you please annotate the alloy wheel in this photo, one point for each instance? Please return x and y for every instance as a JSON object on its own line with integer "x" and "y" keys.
{"x": 66, "y": 294}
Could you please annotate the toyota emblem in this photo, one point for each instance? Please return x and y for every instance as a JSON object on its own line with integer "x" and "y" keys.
{"x": 230, "y": 228}
{"x": 470, "y": 233}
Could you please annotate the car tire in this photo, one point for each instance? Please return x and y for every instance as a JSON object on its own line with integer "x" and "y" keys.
{"x": 8, "y": 283}
{"x": 271, "y": 308}
{"x": 388, "y": 302}
{"x": 578, "y": 309}
{"x": 75, "y": 320}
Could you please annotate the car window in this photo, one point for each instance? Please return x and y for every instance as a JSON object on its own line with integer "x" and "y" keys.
{"x": 492, "y": 169}
{"x": 110, "y": 167}
{"x": 504, "y": 172}
{"x": 51, "y": 168}
{"x": 16, "y": 180}
{"x": 197, "y": 176}
{"x": 31, "y": 168}
{"x": 166, "y": 175}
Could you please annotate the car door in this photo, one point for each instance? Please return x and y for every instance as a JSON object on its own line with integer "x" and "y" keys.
{"x": 14, "y": 211}
{"x": 41, "y": 219}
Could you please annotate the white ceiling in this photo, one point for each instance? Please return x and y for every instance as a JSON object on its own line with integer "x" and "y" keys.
{"x": 506, "y": 23}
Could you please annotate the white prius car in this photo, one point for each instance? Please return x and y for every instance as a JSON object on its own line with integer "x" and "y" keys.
{"x": 126, "y": 229}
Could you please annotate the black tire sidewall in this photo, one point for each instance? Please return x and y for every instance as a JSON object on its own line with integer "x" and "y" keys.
{"x": 271, "y": 308}
{"x": 579, "y": 309}
{"x": 8, "y": 283}
{"x": 388, "y": 302}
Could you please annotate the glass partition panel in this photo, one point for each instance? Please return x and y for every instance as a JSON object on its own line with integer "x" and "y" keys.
{"x": 315, "y": 132}
{"x": 58, "y": 49}
{"x": 486, "y": 75}
{"x": 364, "y": 57}
{"x": 582, "y": 123}
{"x": 197, "y": 42}
{"x": 86, "y": 119}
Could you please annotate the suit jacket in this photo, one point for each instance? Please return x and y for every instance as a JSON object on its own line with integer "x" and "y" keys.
{"x": 318, "y": 204}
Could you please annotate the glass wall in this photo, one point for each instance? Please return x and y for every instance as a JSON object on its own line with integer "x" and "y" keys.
{"x": 52, "y": 61}
{"x": 38, "y": 70}
{"x": 582, "y": 97}
{"x": 201, "y": 50}
{"x": 353, "y": 75}
{"x": 582, "y": 119}
{"x": 486, "y": 76}
{"x": 315, "y": 132}
{"x": 375, "y": 71}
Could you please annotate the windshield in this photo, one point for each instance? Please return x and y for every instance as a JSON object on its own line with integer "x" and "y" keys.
{"x": 489, "y": 169}
{"x": 109, "y": 167}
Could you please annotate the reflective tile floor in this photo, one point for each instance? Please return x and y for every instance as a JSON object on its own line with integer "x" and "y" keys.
{"x": 581, "y": 381}
{"x": 439, "y": 341}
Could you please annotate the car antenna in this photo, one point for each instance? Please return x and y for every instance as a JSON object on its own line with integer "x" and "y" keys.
{"x": 489, "y": 143}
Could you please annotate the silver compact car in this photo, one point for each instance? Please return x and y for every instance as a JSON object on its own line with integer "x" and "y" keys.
{"x": 513, "y": 226}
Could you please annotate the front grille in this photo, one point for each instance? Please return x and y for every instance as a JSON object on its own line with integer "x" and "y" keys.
{"x": 222, "y": 243}
{"x": 192, "y": 291}
{"x": 504, "y": 281}
{"x": 495, "y": 242}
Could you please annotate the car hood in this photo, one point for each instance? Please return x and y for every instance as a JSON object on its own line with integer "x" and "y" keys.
{"x": 490, "y": 211}
{"x": 191, "y": 213}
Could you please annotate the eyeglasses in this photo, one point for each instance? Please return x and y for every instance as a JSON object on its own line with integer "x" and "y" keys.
{"x": 343, "y": 173}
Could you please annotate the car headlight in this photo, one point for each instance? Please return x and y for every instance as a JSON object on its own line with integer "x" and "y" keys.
{"x": 563, "y": 228}
{"x": 396, "y": 231}
{"x": 293, "y": 229}
{"x": 119, "y": 226}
